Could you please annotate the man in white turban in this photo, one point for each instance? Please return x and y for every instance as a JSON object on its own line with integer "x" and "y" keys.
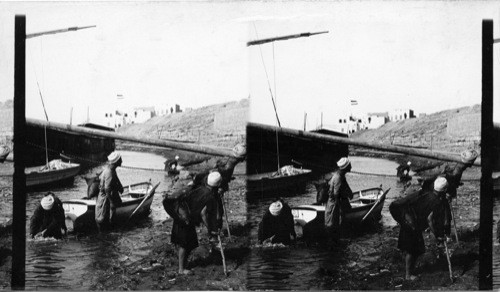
{"x": 338, "y": 204}
{"x": 48, "y": 219}
{"x": 417, "y": 211}
{"x": 110, "y": 189}
{"x": 277, "y": 224}
{"x": 203, "y": 205}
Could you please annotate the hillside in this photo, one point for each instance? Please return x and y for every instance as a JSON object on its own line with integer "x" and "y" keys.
{"x": 219, "y": 125}
{"x": 6, "y": 122}
{"x": 450, "y": 131}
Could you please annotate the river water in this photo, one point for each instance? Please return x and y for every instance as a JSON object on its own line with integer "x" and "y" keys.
{"x": 303, "y": 267}
{"x": 75, "y": 262}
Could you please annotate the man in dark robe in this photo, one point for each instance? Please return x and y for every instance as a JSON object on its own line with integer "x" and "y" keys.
{"x": 48, "y": 219}
{"x": 277, "y": 224}
{"x": 110, "y": 189}
{"x": 417, "y": 211}
{"x": 203, "y": 205}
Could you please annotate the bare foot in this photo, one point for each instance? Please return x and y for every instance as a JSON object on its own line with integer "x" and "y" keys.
{"x": 411, "y": 278}
{"x": 185, "y": 272}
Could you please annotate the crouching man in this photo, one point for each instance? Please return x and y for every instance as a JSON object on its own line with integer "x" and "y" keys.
{"x": 415, "y": 213}
{"x": 277, "y": 224}
{"x": 203, "y": 205}
{"x": 48, "y": 219}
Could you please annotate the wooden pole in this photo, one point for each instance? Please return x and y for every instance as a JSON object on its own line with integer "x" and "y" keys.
{"x": 454, "y": 221}
{"x": 227, "y": 218}
{"x": 348, "y": 141}
{"x": 487, "y": 157}
{"x": 222, "y": 254}
{"x": 199, "y": 148}
{"x": 19, "y": 179}
{"x": 449, "y": 261}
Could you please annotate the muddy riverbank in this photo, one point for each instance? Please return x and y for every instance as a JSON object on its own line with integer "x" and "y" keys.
{"x": 379, "y": 267}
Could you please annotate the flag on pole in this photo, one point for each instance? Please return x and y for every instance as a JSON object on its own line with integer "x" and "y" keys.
{"x": 354, "y": 102}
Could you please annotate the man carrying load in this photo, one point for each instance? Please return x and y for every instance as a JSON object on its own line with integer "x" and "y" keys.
{"x": 200, "y": 204}
{"x": 417, "y": 211}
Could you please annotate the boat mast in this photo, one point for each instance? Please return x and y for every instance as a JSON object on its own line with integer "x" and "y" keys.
{"x": 269, "y": 40}
{"x": 32, "y": 35}
{"x": 37, "y": 34}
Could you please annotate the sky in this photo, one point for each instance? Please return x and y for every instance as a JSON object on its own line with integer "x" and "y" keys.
{"x": 423, "y": 55}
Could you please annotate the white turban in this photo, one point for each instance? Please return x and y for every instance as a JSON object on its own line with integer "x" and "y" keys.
{"x": 275, "y": 208}
{"x": 47, "y": 202}
{"x": 343, "y": 162}
{"x": 440, "y": 184}
{"x": 468, "y": 156}
{"x": 114, "y": 157}
{"x": 214, "y": 179}
{"x": 239, "y": 150}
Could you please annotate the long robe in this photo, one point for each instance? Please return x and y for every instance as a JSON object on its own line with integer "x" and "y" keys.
{"x": 338, "y": 202}
{"x": 52, "y": 220}
{"x": 108, "y": 199}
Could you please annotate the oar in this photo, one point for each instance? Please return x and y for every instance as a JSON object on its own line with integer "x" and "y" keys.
{"x": 449, "y": 261}
{"x": 144, "y": 200}
{"x": 376, "y": 204}
{"x": 222, "y": 253}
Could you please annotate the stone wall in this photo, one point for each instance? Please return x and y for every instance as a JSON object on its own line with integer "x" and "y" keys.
{"x": 467, "y": 125}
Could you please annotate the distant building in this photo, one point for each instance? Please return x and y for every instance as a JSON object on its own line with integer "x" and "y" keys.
{"x": 346, "y": 125}
{"x": 401, "y": 114}
{"x": 374, "y": 120}
{"x": 141, "y": 114}
{"x": 167, "y": 109}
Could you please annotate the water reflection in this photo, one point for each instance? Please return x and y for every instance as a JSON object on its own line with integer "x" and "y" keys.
{"x": 75, "y": 262}
{"x": 303, "y": 267}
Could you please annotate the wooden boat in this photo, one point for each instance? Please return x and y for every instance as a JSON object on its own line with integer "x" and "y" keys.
{"x": 136, "y": 203}
{"x": 276, "y": 183}
{"x": 56, "y": 171}
{"x": 4, "y": 152}
{"x": 366, "y": 206}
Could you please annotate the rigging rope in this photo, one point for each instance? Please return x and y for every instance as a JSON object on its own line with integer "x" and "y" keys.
{"x": 267, "y": 77}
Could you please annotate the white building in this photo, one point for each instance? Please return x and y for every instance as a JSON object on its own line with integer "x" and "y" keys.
{"x": 141, "y": 114}
{"x": 374, "y": 120}
{"x": 346, "y": 125}
{"x": 401, "y": 114}
{"x": 167, "y": 109}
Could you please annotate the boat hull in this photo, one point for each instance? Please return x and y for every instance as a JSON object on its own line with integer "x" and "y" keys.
{"x": 366, "y": 208}
{"x": 37, "y": 178}
{"x": 265, "y": 185}
{"x": 80, "y": 213}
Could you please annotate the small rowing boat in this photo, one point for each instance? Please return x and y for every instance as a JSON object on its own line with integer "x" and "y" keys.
{"x": 276, "y": 183}
{"x": 56, "y": 171}
{"x": 366, "y": 206}
{"x": 136, "y": 203}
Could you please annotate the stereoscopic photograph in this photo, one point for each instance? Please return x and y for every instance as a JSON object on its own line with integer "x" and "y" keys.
{"x": 249, "y": 145}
